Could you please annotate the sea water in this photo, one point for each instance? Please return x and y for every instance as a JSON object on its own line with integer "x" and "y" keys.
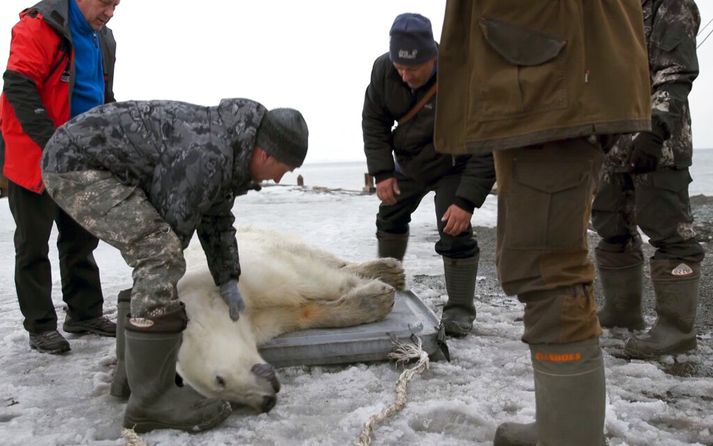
{"x": 350, "y": 175}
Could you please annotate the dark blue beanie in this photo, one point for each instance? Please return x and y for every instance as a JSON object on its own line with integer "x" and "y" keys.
{"x": 411, "y": 40}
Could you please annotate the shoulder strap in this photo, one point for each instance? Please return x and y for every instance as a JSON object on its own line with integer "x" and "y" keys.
{"x": 419, "y": 105}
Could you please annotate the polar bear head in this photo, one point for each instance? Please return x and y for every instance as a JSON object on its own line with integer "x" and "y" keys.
{"x": 219, "y": 357}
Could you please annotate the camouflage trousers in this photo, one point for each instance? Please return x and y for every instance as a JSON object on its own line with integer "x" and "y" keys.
{"x": 656, "y": 202}
{"x": 123, "y": 217}
{"x": 545, "y": 195}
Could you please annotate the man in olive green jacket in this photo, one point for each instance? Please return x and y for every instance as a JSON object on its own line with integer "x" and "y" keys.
{"x": 549, "y": 82}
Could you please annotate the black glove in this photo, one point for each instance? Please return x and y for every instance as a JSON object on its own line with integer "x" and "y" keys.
{"x": 646, "y": 150}
{"x": 230, "y": 293}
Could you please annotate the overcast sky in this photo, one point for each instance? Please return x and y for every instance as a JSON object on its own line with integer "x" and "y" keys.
{"x": 315, "y": 56}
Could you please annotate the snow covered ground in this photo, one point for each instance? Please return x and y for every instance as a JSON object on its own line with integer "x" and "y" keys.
{"x": 64, "y": 400}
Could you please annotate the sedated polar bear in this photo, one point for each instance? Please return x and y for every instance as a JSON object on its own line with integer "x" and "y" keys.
{"x": 287, "y": 286}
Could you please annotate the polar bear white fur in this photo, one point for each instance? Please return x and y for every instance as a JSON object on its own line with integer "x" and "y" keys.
{"x": 287, "y": 285}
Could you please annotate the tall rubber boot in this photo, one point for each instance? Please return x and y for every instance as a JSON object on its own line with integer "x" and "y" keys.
{"x": 391, "y": 245}
{"x": 622, "y": 286}
{"x": 156, "y": 402}
{"x": 570, "y": 398}
{"x": 120, "y": 384}
{"x": 459, "y": 311}
{"x": 676, "y": 290}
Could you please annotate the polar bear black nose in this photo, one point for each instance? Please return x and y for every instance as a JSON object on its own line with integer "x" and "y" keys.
{"x": 268, "y": 402}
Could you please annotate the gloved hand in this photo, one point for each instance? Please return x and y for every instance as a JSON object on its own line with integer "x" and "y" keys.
{"x": 230, "y": 293}
{"x": 646, "y": 150}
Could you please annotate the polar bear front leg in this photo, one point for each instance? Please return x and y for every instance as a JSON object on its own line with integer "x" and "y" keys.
{"x": 368, "y": 302}
{"x": 387, "y": 270}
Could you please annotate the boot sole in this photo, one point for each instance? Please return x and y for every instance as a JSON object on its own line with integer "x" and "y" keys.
{"x": 143, "y": 426}
{"x": 55, "y": 351}
{"x": 676, "y": 349}
{"x": 84, "y": 330}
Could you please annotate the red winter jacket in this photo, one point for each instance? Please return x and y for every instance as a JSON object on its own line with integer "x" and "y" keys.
{"x": 38, "y": 84}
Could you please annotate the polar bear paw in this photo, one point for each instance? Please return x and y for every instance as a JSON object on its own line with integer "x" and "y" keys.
{"x": 387, "y": 270}
{"x": 364, "y": 304}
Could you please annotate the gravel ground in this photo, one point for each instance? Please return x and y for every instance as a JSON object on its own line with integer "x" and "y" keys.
{"x": 488, "y": 288}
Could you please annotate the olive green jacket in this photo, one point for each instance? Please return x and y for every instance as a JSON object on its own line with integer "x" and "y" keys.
{"x": 514, "y": 73}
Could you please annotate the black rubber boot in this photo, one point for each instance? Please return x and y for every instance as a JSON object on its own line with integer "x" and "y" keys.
{"x": 622, "y": 298}
{"x": 676, "y": 289}
{"x": 392, "y": 245}
{"x": 459, "y": 311}
{"x": 120, "y": 384}
{"x": 621, "y": 277}
{"x": 156, "y": 402}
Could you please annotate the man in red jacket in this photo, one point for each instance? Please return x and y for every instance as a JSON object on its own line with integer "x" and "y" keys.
{"x": 61, "y": 64}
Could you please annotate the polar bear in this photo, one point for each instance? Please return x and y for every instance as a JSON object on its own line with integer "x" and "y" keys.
{"x": 287, "y": 286}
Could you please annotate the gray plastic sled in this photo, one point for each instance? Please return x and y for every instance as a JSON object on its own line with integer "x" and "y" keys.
{"x": 368, "y": 342}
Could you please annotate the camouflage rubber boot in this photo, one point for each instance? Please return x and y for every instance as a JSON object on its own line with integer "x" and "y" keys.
{"x": 676, "y": 289}
{"x": 570, "y": 398}
{"x": 392, "y": 245}
{"x": 622, "y": 288}
{"x": 156, "y": 402}
{"x": 119, "y": 384}
{"x": 459, "y": 311}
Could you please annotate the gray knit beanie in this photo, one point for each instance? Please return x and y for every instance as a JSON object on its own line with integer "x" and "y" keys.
{"x": 411, "y": 40}
{"x": 283, "y": 135}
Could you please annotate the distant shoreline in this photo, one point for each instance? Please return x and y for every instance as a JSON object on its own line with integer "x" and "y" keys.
{"x": 363, "y": 161}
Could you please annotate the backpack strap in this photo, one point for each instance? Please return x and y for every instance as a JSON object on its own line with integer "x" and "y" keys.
{"x": 419, "y": 105}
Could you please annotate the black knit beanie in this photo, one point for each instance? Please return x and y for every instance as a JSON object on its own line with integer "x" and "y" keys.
{"x": 411, "y": 40}
{"x": 283, "y": 135}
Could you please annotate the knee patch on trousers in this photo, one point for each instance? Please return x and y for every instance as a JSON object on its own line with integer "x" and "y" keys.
{"x": 559, "y": 316}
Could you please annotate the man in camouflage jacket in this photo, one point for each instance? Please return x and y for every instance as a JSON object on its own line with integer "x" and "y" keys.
{"x": 645, "y": 184}
{"x": 461, "y": 183}
{"x": 143, "y": 177}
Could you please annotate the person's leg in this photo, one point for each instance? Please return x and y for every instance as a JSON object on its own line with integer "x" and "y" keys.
{"x": 123, "y": 217}
{"x": 544, "y": 204}
{"x": 460, "y": 263}
{"x": 34, "y": 216}
{"x": 618, "y": 255}
{"x": 392, "y": 221}
{"x": 663, "y": 213}
{"x": 81, "y": 285}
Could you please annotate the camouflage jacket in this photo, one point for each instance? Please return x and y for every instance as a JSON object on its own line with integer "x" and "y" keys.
{"x": 670, "y": 27}
{"x": 191, "y": 161}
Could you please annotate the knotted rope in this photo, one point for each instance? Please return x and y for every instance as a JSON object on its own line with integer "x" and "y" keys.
{"x": 402, "y": 352}
{"x": 132, "y": 438}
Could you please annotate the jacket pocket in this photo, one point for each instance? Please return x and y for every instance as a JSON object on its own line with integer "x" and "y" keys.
{"x": 671, "y": 180}
{"x": 522, "y": 74}
{"x": 548, "y": 202}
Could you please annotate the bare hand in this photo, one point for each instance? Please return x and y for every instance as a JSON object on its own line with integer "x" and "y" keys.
{"x": 387, "y": 190}
{"x": 457, "y": 220}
